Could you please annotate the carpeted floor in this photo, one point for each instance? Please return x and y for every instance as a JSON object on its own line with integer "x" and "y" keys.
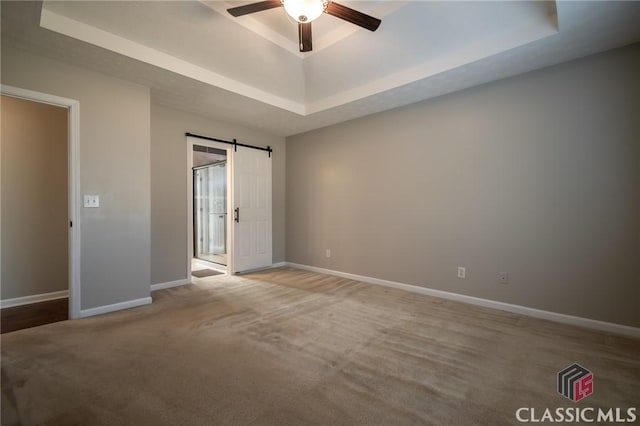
{"x": 299, "y": 348}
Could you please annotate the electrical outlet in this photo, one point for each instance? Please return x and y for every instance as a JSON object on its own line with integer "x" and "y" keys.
{"x": 462, "y": 272}
{"x": 91, "y": 201}
{"x": 504, "y": 278}
{"x": 328, "y": 253}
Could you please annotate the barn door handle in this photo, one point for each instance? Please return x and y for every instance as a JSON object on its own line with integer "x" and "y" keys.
{"x": 236, "y": 215}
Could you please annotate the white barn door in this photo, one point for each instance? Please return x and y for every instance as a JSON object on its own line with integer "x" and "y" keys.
{"x": 252, "y": 209}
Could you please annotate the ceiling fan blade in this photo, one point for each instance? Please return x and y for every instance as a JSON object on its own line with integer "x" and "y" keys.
{"x": 254, "y": 7}
{"x": 304, "y": 36}
{"x": 353, "y": 16}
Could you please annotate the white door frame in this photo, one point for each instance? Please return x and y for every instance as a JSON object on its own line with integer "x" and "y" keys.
{"x": 73, "y": 106}
{"x": 191, "y": 141}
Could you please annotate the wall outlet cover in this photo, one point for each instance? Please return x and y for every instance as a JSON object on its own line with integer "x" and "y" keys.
{"x": 462, "y": 272}
{"x": 91, "y": 201}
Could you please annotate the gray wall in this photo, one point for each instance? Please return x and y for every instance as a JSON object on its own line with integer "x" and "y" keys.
{"x": 169, "y": 186}
{"x": 538, "y": 175}
{"x": 34, "y": 198}
{"x": 114, "y": 150}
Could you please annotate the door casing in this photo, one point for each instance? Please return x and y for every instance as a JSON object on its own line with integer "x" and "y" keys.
{"x": 73, "y": 107}
{"x": 191, "y": 141}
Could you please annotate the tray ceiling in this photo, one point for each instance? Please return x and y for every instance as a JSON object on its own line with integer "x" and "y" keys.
{"x": 195, "y": 56}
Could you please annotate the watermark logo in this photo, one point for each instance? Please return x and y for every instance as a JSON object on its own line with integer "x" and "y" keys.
{"x": 575, "y": 382}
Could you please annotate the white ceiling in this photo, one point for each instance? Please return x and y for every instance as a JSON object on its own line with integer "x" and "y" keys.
{"x": 196, "y": 57}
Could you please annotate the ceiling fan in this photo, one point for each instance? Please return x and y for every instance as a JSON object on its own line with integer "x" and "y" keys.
{"x": 305, "y": 11}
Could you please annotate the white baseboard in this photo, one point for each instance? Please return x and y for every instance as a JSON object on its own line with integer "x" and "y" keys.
{"x": 26, "y": 300}
{"x": 517, "y": 309}
{"x": 279, "y": 265}
{"x": 170, "y": 284}
{"x": 115, "y": 307}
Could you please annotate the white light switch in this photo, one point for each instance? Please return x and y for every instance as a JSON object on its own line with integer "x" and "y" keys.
{"x": 91, "y": 201}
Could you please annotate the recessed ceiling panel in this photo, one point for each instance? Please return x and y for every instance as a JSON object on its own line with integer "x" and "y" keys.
{"x": 197, "y": 58}
{"x": 251, "y": 55}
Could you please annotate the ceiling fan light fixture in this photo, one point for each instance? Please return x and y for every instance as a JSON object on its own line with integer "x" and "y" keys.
{"x": 305, "y": 11}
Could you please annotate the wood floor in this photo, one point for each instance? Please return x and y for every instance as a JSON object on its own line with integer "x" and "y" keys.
{"x": 33, "y": 314}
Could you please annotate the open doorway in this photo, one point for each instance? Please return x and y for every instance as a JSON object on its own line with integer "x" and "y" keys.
{"x": 210, "y": 247}
{"x": 244, "y": 243}
{"x": 40, "y": 186}
{"x": 34, "y": 213}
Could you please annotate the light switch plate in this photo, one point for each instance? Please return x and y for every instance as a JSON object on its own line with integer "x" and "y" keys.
{"x": 91, "y": 201}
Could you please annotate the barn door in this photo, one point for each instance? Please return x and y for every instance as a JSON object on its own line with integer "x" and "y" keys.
{"x": 252, "y": 209}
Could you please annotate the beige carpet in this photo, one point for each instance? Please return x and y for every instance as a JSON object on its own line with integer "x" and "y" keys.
{"x": 295, "y": 347}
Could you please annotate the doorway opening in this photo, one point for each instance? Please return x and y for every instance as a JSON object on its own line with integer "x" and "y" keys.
{"x": 210, "y": 247}
{"x": 245, "y": 240}
{"x": 60, "y": 207}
